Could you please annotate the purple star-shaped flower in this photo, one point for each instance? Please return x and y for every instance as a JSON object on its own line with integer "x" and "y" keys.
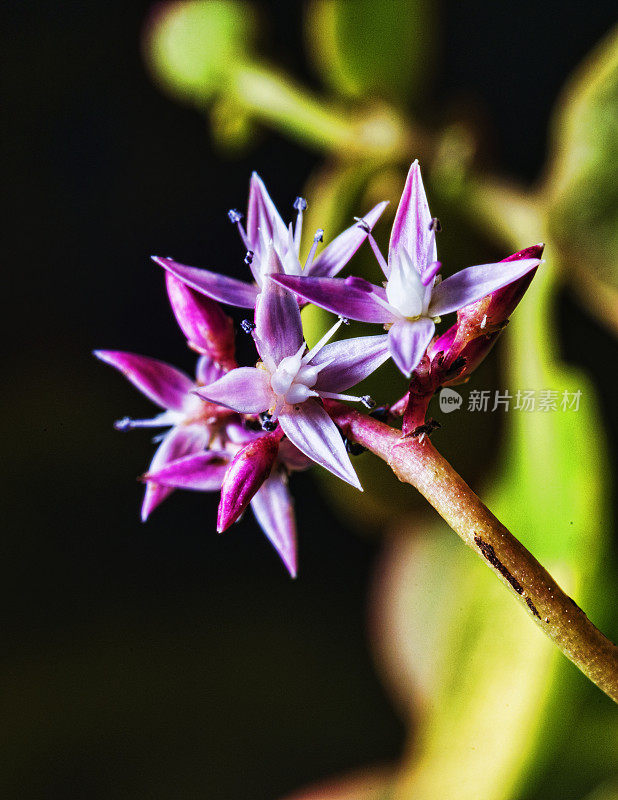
{"x": 413, "y": 296}
{"x": 265, "y": 225}
{"x": 193, "y": 424}
{"x": 290, "y": 380}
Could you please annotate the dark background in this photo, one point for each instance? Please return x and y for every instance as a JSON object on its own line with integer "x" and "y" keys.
{"x": 162, "y": 660}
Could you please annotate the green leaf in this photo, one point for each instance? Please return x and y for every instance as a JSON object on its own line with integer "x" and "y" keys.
{"x": 582, "y": 187}
{"x": 363, "y": 49}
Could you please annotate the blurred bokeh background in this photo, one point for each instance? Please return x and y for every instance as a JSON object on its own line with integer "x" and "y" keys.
{"x": 164, "y": 661}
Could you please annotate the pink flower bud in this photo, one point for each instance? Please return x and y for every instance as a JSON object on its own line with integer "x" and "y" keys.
{"x": 479, "y": 324}
{"x": 247, "y": 472}
{"x": 207, "y": 327}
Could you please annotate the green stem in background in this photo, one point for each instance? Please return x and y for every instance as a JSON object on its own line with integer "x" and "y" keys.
{"x": 377, "y": 133}
{"x": 418, "y": 463}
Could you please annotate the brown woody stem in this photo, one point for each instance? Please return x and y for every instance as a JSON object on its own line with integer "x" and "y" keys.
{"x": 415, "y": 460}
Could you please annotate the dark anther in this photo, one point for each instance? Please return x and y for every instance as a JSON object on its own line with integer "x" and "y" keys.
{"x": 345, "y": 320}
{"x": 368, "y": 401}
{"x": 435, "y": 225}
{"x": 249, "y": 257}
{"x": 300, "y": 204}
{"x": 380, "y": 413}
{"x": 233, "y": 215}
{"x": 247, "y": 325}
{"x": 362, "y": 224}
{"x": 267, "y": 423}
{"x": 319, "y": 235}
{"x": 353, "y": 448}
{"x": 426, "y": 428}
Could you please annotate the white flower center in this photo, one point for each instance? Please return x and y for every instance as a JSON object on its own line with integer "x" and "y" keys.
{"x": 293, "y": 379}
{"x": 404, "y": 289}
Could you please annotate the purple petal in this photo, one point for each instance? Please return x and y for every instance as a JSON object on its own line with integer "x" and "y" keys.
{"x": 165, "y": 385}
{"x": 207, "y": 371}
{"x": 262, "y": 214}
{"x": 316, "y": 435}
{"x": 336, "y": 255}
{"x": 354, "y": 298}
{"x": 245, "y": 389}
{"x": 411, "y": 229}
{"x": 278, "y": 327}
{"x": 407, "y": 341}
{"x": 247, "y": 472}
{"x": 202, "y": 472}
{"x": 274, "y": 510}
{"x": 473, "y": 283}
{"x": 179, "y": 442}
{"x": 219, "y": 287}
{"x": 354, "y": 360}
{"x": 202, "y": 320}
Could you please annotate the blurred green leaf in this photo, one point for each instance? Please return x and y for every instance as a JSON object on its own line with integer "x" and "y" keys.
{"x": 582, "y": 185}
{"x": 191, "y": 46}
{"x": 363, "y": 49}
{"x": 370, "y": 784}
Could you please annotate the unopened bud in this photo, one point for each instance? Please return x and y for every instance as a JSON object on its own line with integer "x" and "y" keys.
{"x": 479, "y": 324}
{"x": 248, "y": 470}
{"x": 207, "y": 327}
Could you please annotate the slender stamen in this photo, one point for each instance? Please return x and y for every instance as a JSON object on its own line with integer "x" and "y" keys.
{"x": 434, "y": 227}
{"x": 319, "y": 237}
{"x": 247, "y": 325}
{"x": 350, "y": 398}
{"x": 300, "y": 204}
{"x": 376, "y": 251}
{"x": 235, "y": 217}
{"x": 385, "y": 304}
{"x": 326, "y": 338}
{"x": 127, "y": 424}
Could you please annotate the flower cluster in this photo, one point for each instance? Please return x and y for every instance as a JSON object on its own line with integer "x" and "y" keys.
{"x": 242, "y": 430}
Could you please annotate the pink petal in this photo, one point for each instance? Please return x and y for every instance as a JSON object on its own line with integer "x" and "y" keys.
{"x": 262, "y": 214}
{"x": 219, "y": 287}
{"x": 354, "y": 298}
{"x": 179, "y": 442}
{"x": 274, "y": 510}
{"x": 202, "y": 320}
{"x": 336, "y": 255}
{"x": 310, "y": 428}
{"x": 411, "y": 229}
{"x": 245, "y": 389}
{"x": 165, "y": 385}
{"x": 473, "y": 283}
{"x": 202, "y": 472}
{"x": 207, "y": 371}
{"x": 354, "y": 360}
{"x": 246, "y": 473}
{"x": 278, "y": 327}
{"x": 408, "y": 341}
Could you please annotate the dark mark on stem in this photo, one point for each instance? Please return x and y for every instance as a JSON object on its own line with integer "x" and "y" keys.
{"x": 532, "y": 607}
{"x": 490, "y": 555}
